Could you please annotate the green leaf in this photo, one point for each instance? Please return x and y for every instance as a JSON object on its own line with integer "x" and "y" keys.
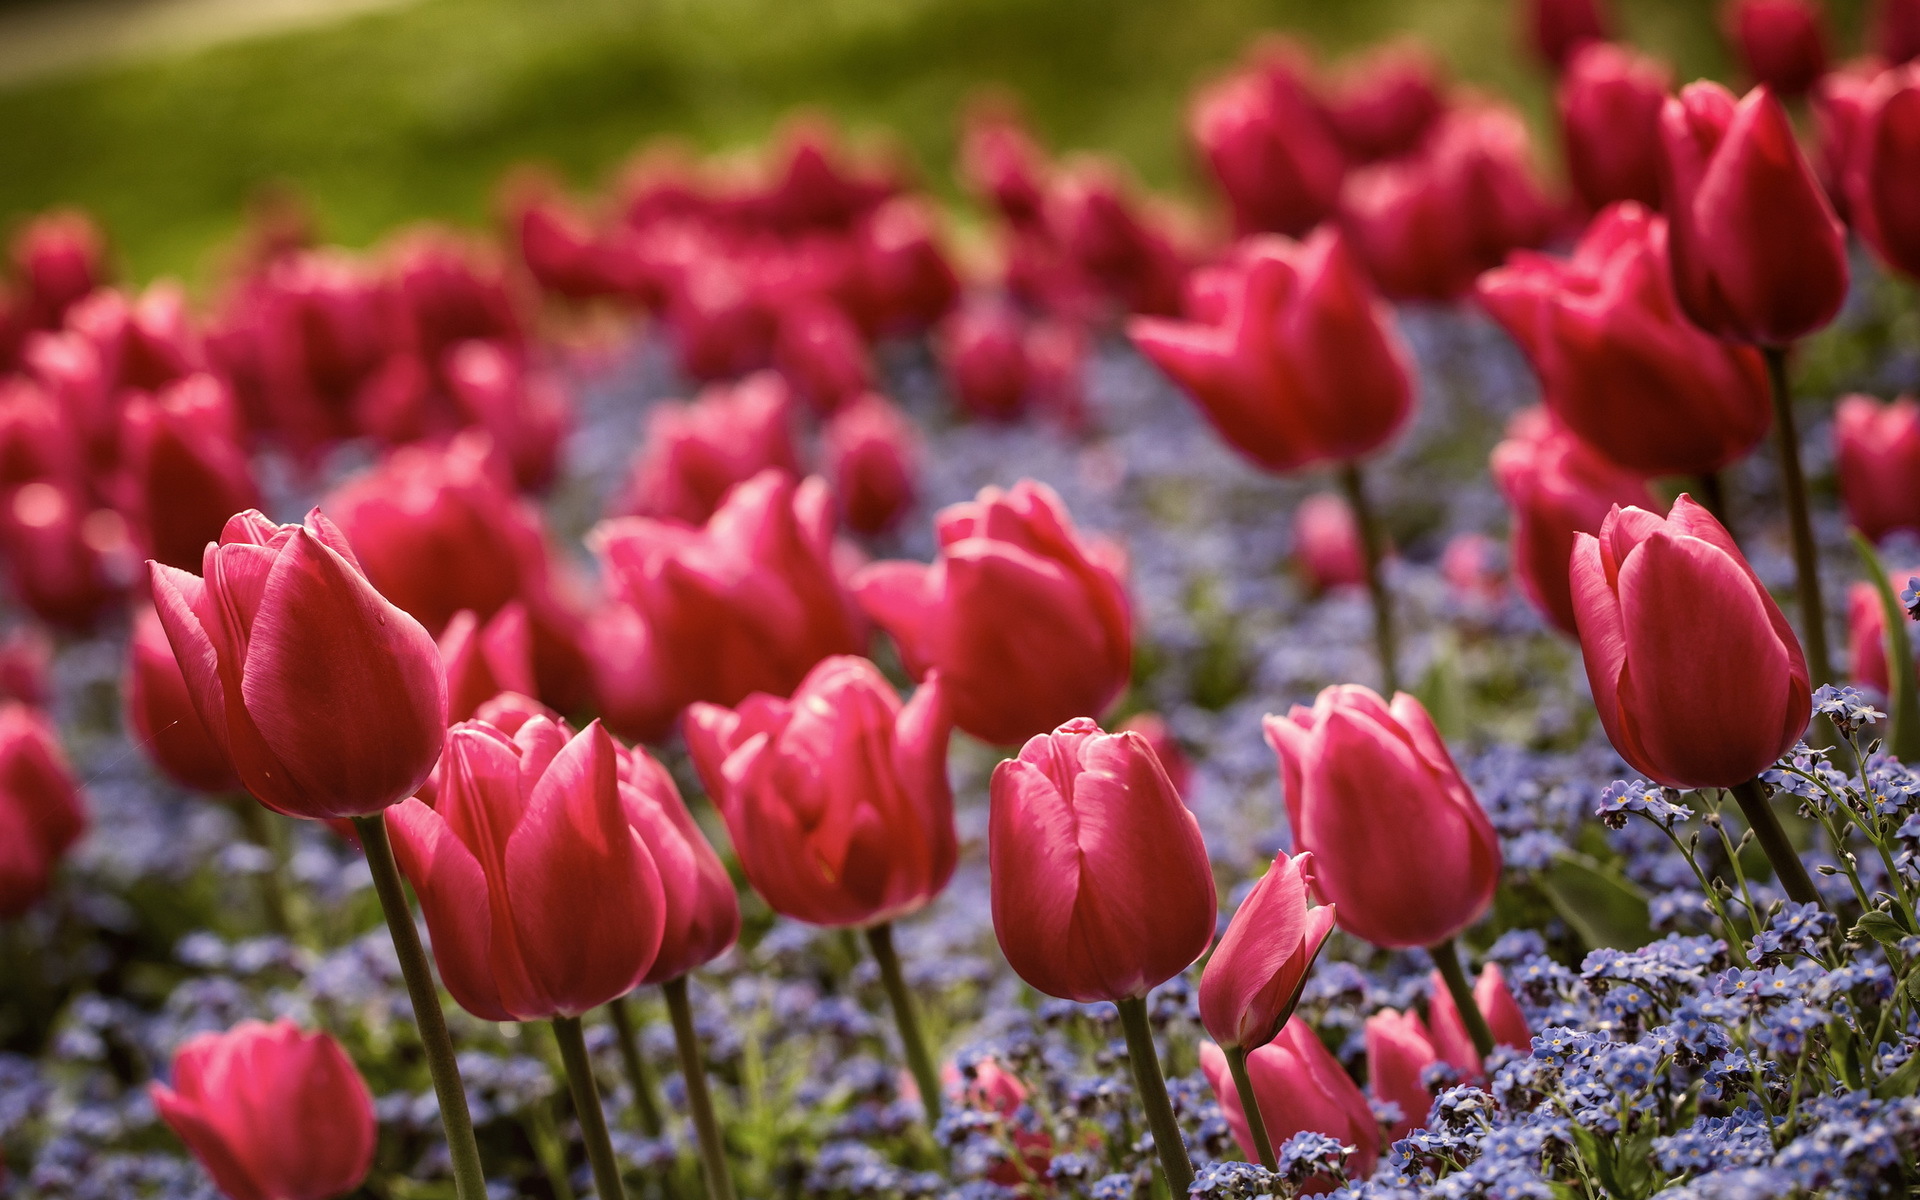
{"x": 1912, "y": 984}
{"x": 1904, "y": 735}
{"x": 1879, "y": 926}
{"x": 1901, "y": 1083}
{"x": 1602, "y": 906}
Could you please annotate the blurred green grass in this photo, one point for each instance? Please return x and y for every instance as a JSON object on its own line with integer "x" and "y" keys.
{"x": 415, "y": 113}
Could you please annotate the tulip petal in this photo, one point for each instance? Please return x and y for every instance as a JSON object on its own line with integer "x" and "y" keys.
{"x": 191, "y": 1122}
{"x": 456, "y": 903}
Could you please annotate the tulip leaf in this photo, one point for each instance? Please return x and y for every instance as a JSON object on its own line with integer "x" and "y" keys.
{"x": 1602, "y": 906}
{"x": 1904, "y": 738}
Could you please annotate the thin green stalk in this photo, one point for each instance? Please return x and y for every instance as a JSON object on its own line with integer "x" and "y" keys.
{"x": 693, "y": 1073}
{"x": 607, "y": 1184}
{"x": 1374, "y": 549}
{"x": 1806, "y": 559}
{"x": 469, "y": 1180}
{"x": 1446, "y": 959}
{"x": 1250, "y": 1105}
{"x": 274, "y": 892}
{"x": 1153, "y": 1096}
{"x": 1787, "y": 867}
{"x": 639, "y": 1076}
{"x": 919, "y": 1062}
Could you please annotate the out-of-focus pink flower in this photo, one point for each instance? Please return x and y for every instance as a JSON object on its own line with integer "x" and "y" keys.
{"x": 1867, "y": 632}
{"x": 820, "y": 351}
{"x": 1609, "y": 100}
{"x": 1895, "y": 33}
{"x": 68, "y": 563}
{"x": 1122, "y": 247}
{"x": 1399, "y": 1051}
{"x": 61, "y": 257}
{"x": 524, "y": 411}
{"x": 1269, "y": 145}
{"x": 873, "y": 459}
{"x": 1839, "y": 101}
{"x": 1883, "y": 177}
{"x": 694, "y": 454}
{"x": 1877, "y": 453}
{"x": 1496, "y": 1003}
{"x": 1781, "y": 43}
{"x": 1326, "y": 543}
{"x": 1384, "y": 103}
{"x": 1153, "y": 727}
{"x": 1302, "y": 1089}
{"x": 483, "y": 660}
{"x": 1473, "y": 565}
{"x": 42, "y": 810}
{"x": 1557, "y": 28}
{"x": 907, "y": 281}
{"x": 185, "y": 470}
{"x": 983, "y": 352}
{"x": 1001, "y": 163}
{"x": 702, "y": 909}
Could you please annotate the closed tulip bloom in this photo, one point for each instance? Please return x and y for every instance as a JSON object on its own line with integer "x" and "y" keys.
{"x": 1839, "y": 103}
{"x": 1877, "y": 452}
{"x": 161, "y": 713}
{"x": 484, "y": 660}
{"x": 1399, "y": 1051}
{"x": 26, "y": 665}
{"x": 1326, "y": 544}
{"x": 61, "y": 258}
{"x": 1556, "y": 486}
{"x": 1780, "y": 42}
{"x": 1557, "y": 28}
{"x": 1401, "y": 848}
{"x": 983, "y": 354}
{"x": 1867, "y": 633}
{"x": 271, "y": 1111}
{"x": 42, "y": 810}
{"x": 1026, "y": 620}
{"x": 1618, "y": 360}
{"x": 330, "y": 701}
{"x": 1895, "y": 33}
{"x": 702, "y": 913}
{"x": 873, "y": 459}
{"x": 837, "y": 799}
{"x": 1495, "y": 1002}
{"x": 1610, "y": 100}
{"x": 186, "y": 471}
{"x": 1270, "y": 147}
{"x": 1123, "y": 248}
{"x": 1698, "y": 678}
{"x": 1758, "y": 254}
{"x": 1101, "y": 885}
{"x": 1383, "y": 104}
{"x": 1883, "y": 179}
{"x": 907, "y": 279}
{"x": 1253, "y": 979}
{"x": 68, "y": 563}
{"x": 986, "y": 1086}
{"x": 1293, "y": 358}
{"x": 1153, "y": 727}
{"x": 559, "y": 245}
{"x": 526, "y": 836}
{"x": 524, "y": 411}
{"x": 747, "y": 603}
{"x": 694, "y": 453}
{"x": 1301, "y": 1088}
{"x": 820, "y": 351}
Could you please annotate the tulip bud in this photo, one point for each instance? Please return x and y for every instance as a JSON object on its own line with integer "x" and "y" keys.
{"x": 448, "y": 291}
{"x": 42, "y": 810}
{"x": 1698, "y": 678}
{"x": 1867, "y": 633}
{"x": 837, "y": 800}
{"x": 1883, "y": 166}
{"x": 68, "y": 564}
{"x": 1253, "y": 979}
{"x": 983, "y": 353}
{"x": 329, "y": 701}
{"x": 1296, "y": 361}
{"x": 483, "y": 661}
{"x": 186, "y": 470}
{"x": 1166, "y": 747}
{"x": 1326, "y": 543}
{"x": 821, "y": 353}
{"x": 1101, "y": 885}
{"x": 906, "y": 277}
{"x": 873, "y": 459}
{"x": 1839, "y": 107}
{"x": 1026, "y": 620}
{"x": 1610, "y": 100}
{"x": 1002, "y": 164}
{"x": 1557, "y": 28}
{"x": 1399, "y": 1051}
{"x": 145, "y": 343}
{"x": 161, "y": 713}
{"x": 1556, "y": 486}
{"x": 1495, "y": 1002}
{"x": 523, "y": 411}
{"x": 1301, "y": 1088}
{"x": 1401, "y": 848}
{"x": 271, "y": 1112}
{"x": 61, "y": 258}
{"x": 1121, "y": 248}
{"x": 1758, "y": 254}
{"x": 695, "y": 453}
{"x": 525, "y": 836}
{"x": 559, "y": 245}
{"x": 1270, "y": 147}
{"x": 987, "y": 1087}
{"x": 1779, "y": 42}
{"x": 39, "y": 438}
{"x": 1877, "y": 453}
{"x": 1471, "y": 564}
{"x": 1618, "y": 360}
{"x": 702, "y": 914}
{"x": 1384, "y": 104}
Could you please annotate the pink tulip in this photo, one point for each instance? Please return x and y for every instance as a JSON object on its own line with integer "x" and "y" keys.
{"x": 1877, "y": 452}
{"x": 1472, "y": 566}
{"x": 1557, "y": 28}
{"x": 1867, "y": 632}
{"x": 702, "y": 910}
{"x": 1253, "y": 979}
{"x": 1384, "y": 104}
{"x": 484, "y": 660}
{"x": 69, "y": 563}
{"x": 1153, "y": 727}
{"x": 61, "y": 258}
{"x": 1780, "y": 42}
{"x": 523, "y": 410}
{"x": 873, "y": 458}
{"x": 983, "y": 353}
{"x": 1895, "y": 32}
{"x": 42, "y": 810}
{"x": 1610, "y": 100}
{"x": 1121, "y": 248}
{"x": 822, "y": 355}
{"x": 1270, "y": 147}
{"x": 1839, "y": 103}
{"x": 1301, "y": 1089}
{"x": 186, "y": 471}
{"x": 695, "y": 453}
{"x": 1883, "y": 170}
{"x": 1495, "y": 1002}
{"x": 1326, "y": 543}
{"x": 162, "y": 715}
{"x": 1399, "y": 1051}
{"x": 906, "y": 279}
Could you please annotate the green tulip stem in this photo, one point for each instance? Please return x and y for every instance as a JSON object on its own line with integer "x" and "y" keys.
{"x": 1787, "y": 867}
{"x": 919, "y": 1062}
{"x": 1446, "y": 959}
{"x": 1250, "y": 1105}
{"x": 1806, "y": 562}
{"x": 1153, "y": 1095}
{"x": 639, "y": 1077}
{"x": 1374, "y": 549}
{"x": 469, "y": 1180}
{"x": 607, "y": 1184}
{"x": 693, "y": 1073}
{"x": 274, "y": 893}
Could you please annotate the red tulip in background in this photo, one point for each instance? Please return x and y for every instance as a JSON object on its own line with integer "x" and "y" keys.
{"x": 1556, "y": 486}
{"x": 1557, "y": 28}
{"x": 1495, "y": 1002}
{"x": 1121, "y": 248}
{"x": 525, "y": 834}
{"x": 1301, "y": 1088}
{"x": 694, "y": 453}
{"x": 822, "y": 355}
{"x": 983, "y": 353}
{"x": 1839, "y": 101}
{"x": 1270, "y": 146}
{"x": 1153, "y": 727}
{"x": 1254, "y": 976}
{"x": 1609, "y": 101}
{"x": 1426, "y": 225}
{"x": 26, "y": 665}
{"x": 1473, "y": 565}
{"x": 1883, "y": 175}
{"x": 1101, "y": 885}
{"x": 1399, "y": 1051}
{"x": 747, "y": 603}
{"x": 484, "y": 660}
{"x": 61, "y": 258}
{"x": 837, "y": 800}
{"x": 1026, "y": 620}
{"x": 329, "y": 701}
{"x": 1382, "y": 105}
{"x": 272, "y": 1112}
{"x": 1867, "y": 633}
{"x": 1619, "y": 362}
{"x": 42, "y": 810}
{"x": 702, "y": 918}
{"x": 1758, "y": 254}
{"x": 69, "y": 563}
{"x": 161, "y": 713}
{"x": 1895, "y": 32}
{"x": 1290, "y": 354}
{"x": 1697, "y": 676}
{"x": 1326, "y": 544}
{"x": 1780, "y": 42}
{"x": 1400, "y": 846}
{"x": 873, "y": 459}
{"x": 986, "y": 1086}
{"x": 907, "y": 282}
{"x": 186, "y": 471}
{"x": 1877, "y": 461}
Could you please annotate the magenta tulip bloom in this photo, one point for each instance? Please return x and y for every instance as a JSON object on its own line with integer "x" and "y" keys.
{"x": 1877, "y": 448}
{"x": 702, "y": 914}
{"x": 1400, "y": 846}
{"x": 1496, "y": 1003}
{"x": 873, "y": 459}
{"x": 1882, "y": 179}
{"x": 161, "y": 712}
{"x": 42, "y": 810}
{"x": 1699, "y": 680}
{"x": 185, "y": 469}
{"x": 1270, "y": 147}
{"x": 1780, "y": 42}
{"x": 1253, "y": 979}
{"x": 1301, "y": 1089}
{"x": 694, "y": 454}
{"x": 1557, "y": 28}
{"x": 1101, "y": 885}
{"x": 329, "y": 701}
{"x": 1399, "y": 1051}
{"x": 1610, "y": 100}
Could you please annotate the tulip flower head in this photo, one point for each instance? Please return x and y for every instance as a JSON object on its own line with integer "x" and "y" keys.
{"x": 1877, "y": 448}
{"x": 1780, "y": 42}
{"x": 1610, "y": 100}
{"x": 1301, "y": 1088}
{"x": 1253, "y": 979}
{"x": 1884, "y": 166}
{"x": 161, "y": 712}
{"x": 1496, "y": 1003}
{"x": 1399, "y": 1051}
{"x": 42, "y": 810}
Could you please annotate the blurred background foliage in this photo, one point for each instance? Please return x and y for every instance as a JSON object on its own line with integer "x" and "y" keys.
{"x": 387, "y": 117}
